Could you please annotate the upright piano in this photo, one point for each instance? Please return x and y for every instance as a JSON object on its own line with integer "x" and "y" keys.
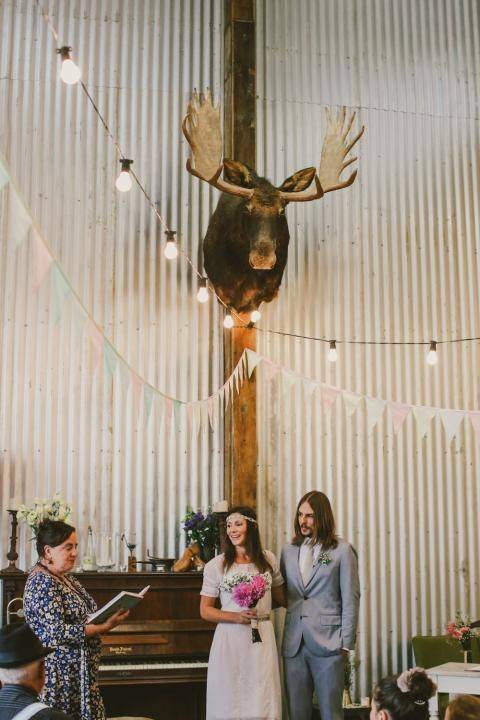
{"x": 155, "y": 664}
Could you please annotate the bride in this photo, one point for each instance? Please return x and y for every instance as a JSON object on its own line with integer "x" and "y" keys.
{"x": 243, "y": 676}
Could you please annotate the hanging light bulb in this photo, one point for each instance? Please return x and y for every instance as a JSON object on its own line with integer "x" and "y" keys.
{"x": 255, "y": 316}
{"x": 228, "y": 321}
{"x": 171, "y": 249}
{"x": 432, "y": 357}
{"x": 202, "y": 294}
{"x": 124, "y": 181}
{"x": 69, "y": 72}
{"x": 332, "y": 354}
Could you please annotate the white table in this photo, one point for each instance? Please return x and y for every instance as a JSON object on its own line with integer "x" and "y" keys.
{"x": 453, "y": 678}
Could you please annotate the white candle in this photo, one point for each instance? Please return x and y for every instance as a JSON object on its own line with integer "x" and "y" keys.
{"x": 220, "y": 506}
{"x": 14, "y": 503}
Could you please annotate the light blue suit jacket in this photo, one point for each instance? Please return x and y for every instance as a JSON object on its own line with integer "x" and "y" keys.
{"x": 325, "y": 610}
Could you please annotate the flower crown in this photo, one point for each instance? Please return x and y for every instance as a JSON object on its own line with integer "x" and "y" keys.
{"x": 243, "y": 517}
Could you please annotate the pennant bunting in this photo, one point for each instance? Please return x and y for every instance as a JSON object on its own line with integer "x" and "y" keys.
{"x": 148, "y": 394}
{"x": 79, "y": 319}
{"x": 96, "y": 341}
{"x": 375, "y": 408}
{"x": 190, "y": 415}
{"x": 61, "y": 291}
{"x": 168, "y": 414}
{"x": 270, "y": 369}
{"x": 329, "y": 395}
{"x": 252, "y": 361}
{"x": 124, "y": 372}
{"x": 288, "y": 381}
{"x": 399, "y": 413}
{"x": 211, "y": 410}
{"x": 309, "y": 387}
{"x": 451, "y": 420}
{"x": 475, "y": 420}
{"x": 42, "y": 261}
{"x": 19, "y": 221}
{"x": 351, "y": 402}
{"x": 177, "y": 414}
{"x": 110, "y": 359}
{"x": 423, "y": 417}
{"x": 136, "y": 384}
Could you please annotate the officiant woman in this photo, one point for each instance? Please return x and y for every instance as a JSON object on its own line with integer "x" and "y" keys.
{"x": 56, "y": 608}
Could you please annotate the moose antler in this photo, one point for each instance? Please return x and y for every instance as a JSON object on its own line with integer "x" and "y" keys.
{"x": 334, "y": 151}
{"x": 201, "y": 127}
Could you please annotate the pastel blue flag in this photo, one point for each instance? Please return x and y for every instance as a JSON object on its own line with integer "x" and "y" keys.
{"x": 19, "y": 221}
{"x": 110, "y": 358}
{"x": 147, "y": 400}
{"x": 61, "y": 290}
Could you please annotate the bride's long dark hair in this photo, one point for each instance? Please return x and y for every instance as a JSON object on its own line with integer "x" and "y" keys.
{"x": 253, "y": 544}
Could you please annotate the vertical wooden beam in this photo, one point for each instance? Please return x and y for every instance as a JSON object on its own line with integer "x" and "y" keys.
{"x": 239, "y": 137}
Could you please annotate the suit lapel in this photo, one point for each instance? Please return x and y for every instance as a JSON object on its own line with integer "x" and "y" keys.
{"x": 295, "y": 560}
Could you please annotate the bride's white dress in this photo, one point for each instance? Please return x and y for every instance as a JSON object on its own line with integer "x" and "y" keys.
{"x": 243, "y": 677}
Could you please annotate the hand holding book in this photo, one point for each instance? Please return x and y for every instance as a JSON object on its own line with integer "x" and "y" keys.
{"x": 114, "y": 611}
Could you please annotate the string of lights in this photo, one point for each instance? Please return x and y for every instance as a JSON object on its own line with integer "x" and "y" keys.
{"x": 70, "y": 74}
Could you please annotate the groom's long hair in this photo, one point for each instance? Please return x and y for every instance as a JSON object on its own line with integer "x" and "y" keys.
{"x": 324, "y": 522}
{"x": 253, "y": 543}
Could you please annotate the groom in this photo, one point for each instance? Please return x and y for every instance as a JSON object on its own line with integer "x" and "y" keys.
{"x": 323, "y": 594}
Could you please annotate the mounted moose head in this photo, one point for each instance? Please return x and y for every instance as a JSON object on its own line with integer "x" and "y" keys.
{"x": 246, "y": 245}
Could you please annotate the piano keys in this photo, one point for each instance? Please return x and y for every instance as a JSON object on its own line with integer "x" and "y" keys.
{"x": 155, "y": 664}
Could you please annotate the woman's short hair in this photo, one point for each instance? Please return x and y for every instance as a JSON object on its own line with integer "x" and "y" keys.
{"x": 405, "y": 696}
{"x": 464, "y": 707}
{"x": 52, "y": 533}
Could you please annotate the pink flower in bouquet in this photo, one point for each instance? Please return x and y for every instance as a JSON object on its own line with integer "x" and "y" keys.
{"x": 247, "y": 594}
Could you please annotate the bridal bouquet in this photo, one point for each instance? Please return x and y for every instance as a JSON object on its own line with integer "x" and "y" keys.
{"x": 246, "y": 591}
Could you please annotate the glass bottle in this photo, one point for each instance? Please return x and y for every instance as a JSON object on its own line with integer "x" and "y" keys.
{"x": 89, "y": 562}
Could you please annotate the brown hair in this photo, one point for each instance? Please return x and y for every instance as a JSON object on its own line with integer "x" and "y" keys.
{"x": 52, "y": 533}
{"x": 253, "y": 544}
{"x": 410, "y": 705}
{"x": 464, "y": 707}
{"x": 324, "y": 522}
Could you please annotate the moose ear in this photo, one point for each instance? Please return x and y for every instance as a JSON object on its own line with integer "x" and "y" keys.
{"x": 299, "y": 180}
{"x": 237, "y": 173}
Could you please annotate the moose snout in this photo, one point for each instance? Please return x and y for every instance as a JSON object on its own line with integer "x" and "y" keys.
{"x": 262, "y": 257}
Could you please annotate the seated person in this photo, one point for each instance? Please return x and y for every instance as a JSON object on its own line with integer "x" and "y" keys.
{"x": 464, "y": 707}
{"x": 22, "y": 674}
{"x": 403, "y": 697}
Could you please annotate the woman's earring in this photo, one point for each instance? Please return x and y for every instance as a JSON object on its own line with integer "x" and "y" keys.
{"x": 49, "y": 561}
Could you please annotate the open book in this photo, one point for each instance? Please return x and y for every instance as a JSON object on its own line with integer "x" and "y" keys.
{"x": 122, "y": 601}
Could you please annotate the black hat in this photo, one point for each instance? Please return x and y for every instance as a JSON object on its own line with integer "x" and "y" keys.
{"x": 19, "y": 646}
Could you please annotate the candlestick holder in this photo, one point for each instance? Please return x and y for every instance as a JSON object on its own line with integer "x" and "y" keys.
{"x": 12, "y": 555}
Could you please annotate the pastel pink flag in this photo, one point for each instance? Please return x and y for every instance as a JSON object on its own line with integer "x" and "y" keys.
{"x": 43, "y": 260}
{"x": 168, "y": 414}
{"x": 399, "y": 413}
{"x": 190, "y": 414}
{"x": 96, "y": 338}
{"x": 329, "y": 395}
{"x": 475, "y": 420}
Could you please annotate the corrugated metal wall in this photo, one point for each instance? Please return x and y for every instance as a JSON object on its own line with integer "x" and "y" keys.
{"x": 61, "y": 426}
{"x": 395, "y": 257}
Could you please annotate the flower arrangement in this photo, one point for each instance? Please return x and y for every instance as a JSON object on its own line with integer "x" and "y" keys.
{"x": 54, "y": 509}
{"x": 349, "y": 670}
{"x": 201, "y": 528}
{"x": 323, "y": 558}
{"x": 460, "y": 630}
{"x": 247, "y": 590}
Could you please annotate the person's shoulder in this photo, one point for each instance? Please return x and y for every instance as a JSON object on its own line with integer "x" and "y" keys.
{"x": 344, "y": 547}
{"x": 39, "y": 579}
{"x": 215, "y": 563}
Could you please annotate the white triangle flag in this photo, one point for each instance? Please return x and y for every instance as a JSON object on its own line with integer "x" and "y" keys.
{"x": 252, "y": 361}
{"x": 451, "y": 422}
{"x": 423, "y": 416}
{"x": 309, "y": 387}
{"x": 351, "y": 402}
{"x": 375, "y": 408}
{"x": 270, "y": 369}
{"x": 288, "y": 380}
{"x": 211, "y": 410}
{"x": 399, "y": 413}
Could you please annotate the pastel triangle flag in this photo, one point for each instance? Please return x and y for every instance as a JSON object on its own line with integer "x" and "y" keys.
{"x": 168, "y": 414}
{"x": 190, "y": 414}
{"x": 148, "y": 393}
{"x": 136, "y": 383}
{"x": 19, "y": 219}
{"x": 252, "y": 361}
{"x": 110, "y": 358}
{"x": 451, "y": 420}
{"x": 79, "y": 318}
{"x": 475, "y": 420}
{"x": 241, "y": 368}
{"x": 195, "y": 417}
{"x": 61, "y": 290}
{"x": 221, "y": 395}
{"x": 309, "y": 387}
{"x": 329, "y": 395}
{"x": 4, "y": 176}
{"x": 96, "y": 341}
{"x": 42, "y": 261}
{"x": 124, "y": 374}
{"x": 351, "y": 402}
{"x": 288, "y": 380}
{"x": 399, "y": 413}
{"x": 423, "y": 417}
{"x": 204, "y": 421}
{"x": 177, "y": 414}
{"x": 270, "y": 369}
{"x": 211, "y": 410}
{"x": 235, "y": 375}
{"x": 375, "y": 408}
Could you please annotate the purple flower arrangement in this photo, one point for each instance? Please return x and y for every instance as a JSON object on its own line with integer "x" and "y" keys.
{"x": 201, "y": 528}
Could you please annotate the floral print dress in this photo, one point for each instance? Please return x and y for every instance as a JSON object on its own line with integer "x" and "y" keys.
{"x": 57, "y": 614}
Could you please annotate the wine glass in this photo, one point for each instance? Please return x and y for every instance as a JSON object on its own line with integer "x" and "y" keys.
{"x": 130, "y": 541}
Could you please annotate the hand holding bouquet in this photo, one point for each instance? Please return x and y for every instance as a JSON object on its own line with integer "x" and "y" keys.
{"x": 246, "y": 591}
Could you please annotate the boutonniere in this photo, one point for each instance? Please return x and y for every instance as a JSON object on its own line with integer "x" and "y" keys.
{"x": 324, "y": 558}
